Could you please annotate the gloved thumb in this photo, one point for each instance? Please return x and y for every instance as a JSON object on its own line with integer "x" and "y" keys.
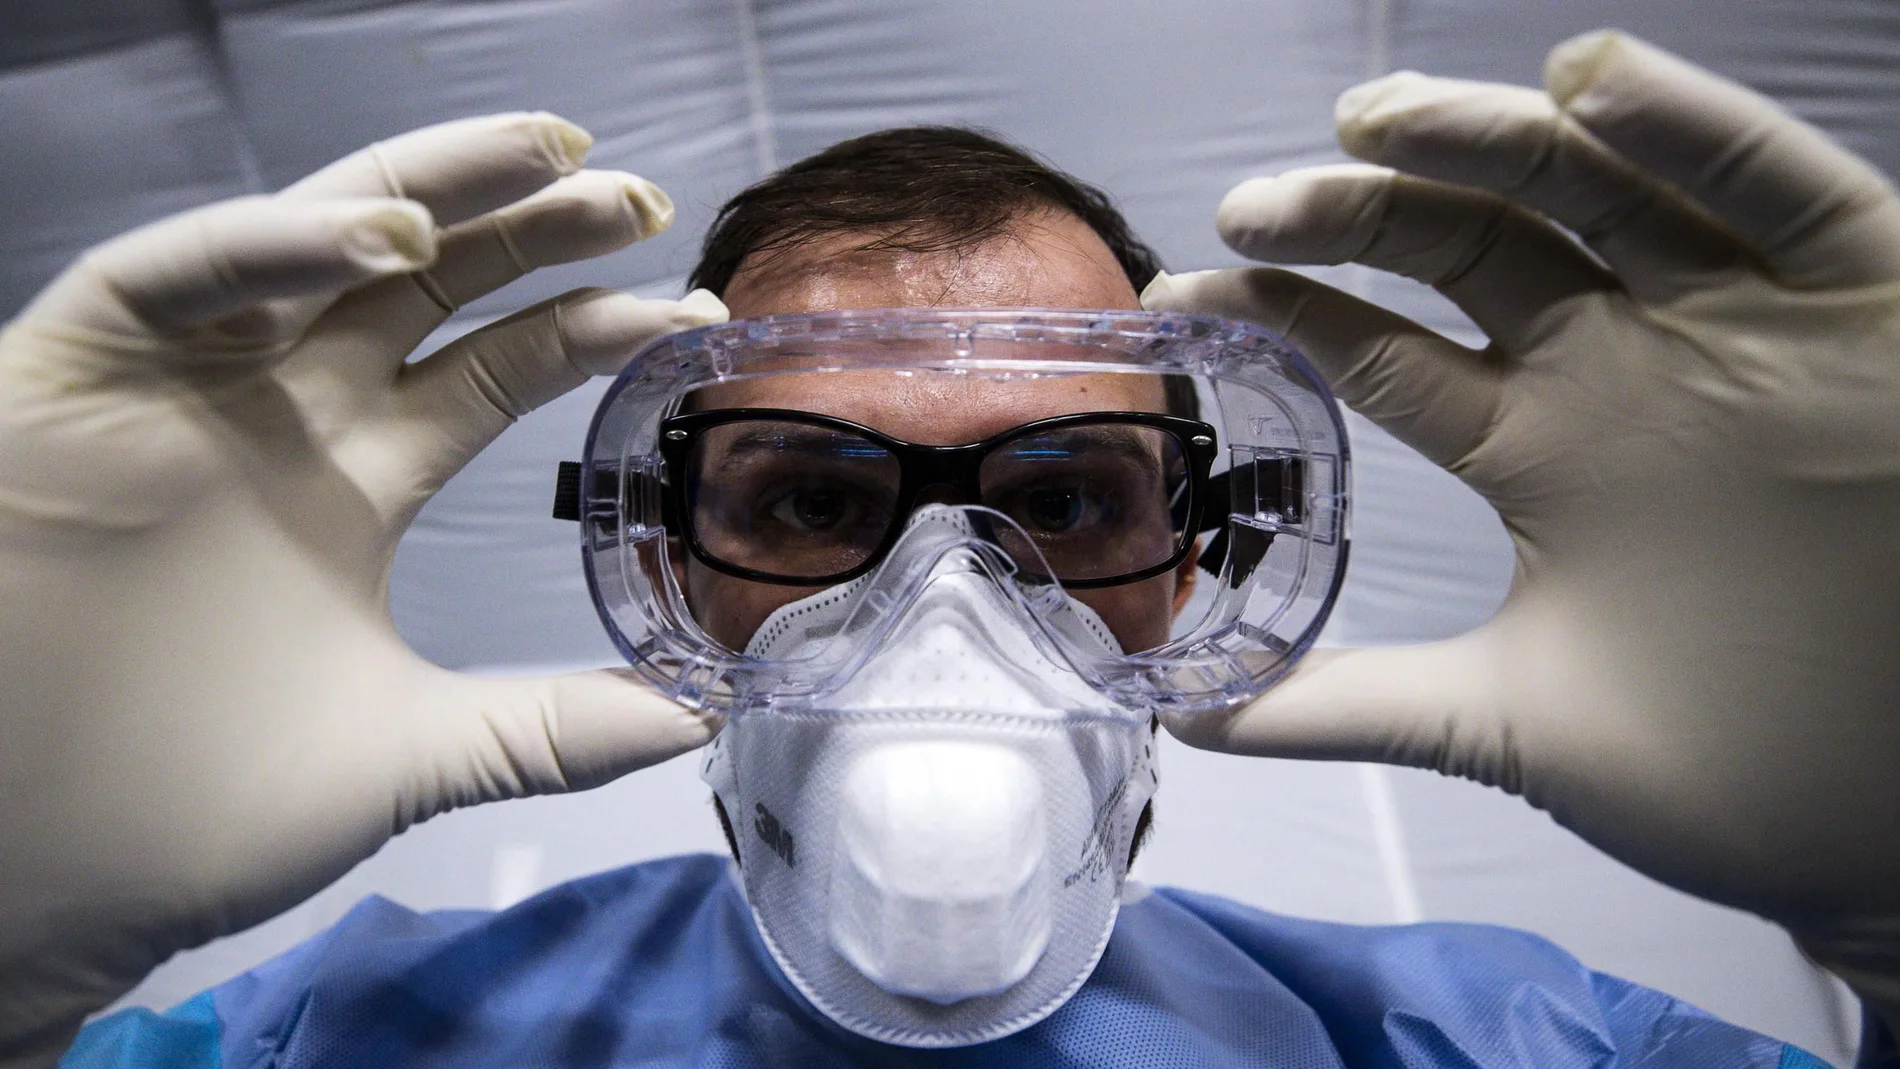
{"x": 1427, "y": 706}
{"x": 509, "y": 738}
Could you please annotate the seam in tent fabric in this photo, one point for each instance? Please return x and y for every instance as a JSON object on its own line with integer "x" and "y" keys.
{"x": 759, "y": 102}
{"x": 1375, "y": 781}
{"x": 211, "y": 35}
{"x": 1375, "y": 62}
{"x": 1388, "y": 838}
{"x": 1378, "y": 38}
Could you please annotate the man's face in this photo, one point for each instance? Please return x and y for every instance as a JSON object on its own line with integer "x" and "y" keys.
{"x": 1047, "y": 259}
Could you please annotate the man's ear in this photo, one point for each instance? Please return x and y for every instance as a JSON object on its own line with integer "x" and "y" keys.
{"x": 1186, "y": 575}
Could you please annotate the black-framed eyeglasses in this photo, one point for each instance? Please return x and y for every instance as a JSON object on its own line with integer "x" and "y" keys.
{"x": 789, "y": 497}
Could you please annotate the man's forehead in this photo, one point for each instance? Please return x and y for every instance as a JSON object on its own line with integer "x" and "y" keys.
{"x": 1046, "y": 259}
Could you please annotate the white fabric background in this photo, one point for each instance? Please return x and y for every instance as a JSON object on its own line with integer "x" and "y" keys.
{"x": 113, "y": 112}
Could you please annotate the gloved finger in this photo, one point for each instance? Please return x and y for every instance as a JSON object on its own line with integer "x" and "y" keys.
{"x": 581, "y": 216}
{"x": 1424, "y": 706}
{"x": 1517, "y": 143}
{"x": 460, "y": 169}
{"x": 193, "y": 269}
{"x": 1504, "y": 266}
{"x": 584, "y": 215}
{"x": 1430, "y": 392}
{"x": 508, "y": 738}
{"x": 455, "y": 402}
{"x": 1817, "y": 213}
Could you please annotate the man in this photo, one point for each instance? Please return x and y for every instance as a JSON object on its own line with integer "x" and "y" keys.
{"x": 662, "y": 960}
{"x": 860, "y": 226}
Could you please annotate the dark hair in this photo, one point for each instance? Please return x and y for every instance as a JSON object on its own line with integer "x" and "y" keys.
{"x": 914, "y": 189}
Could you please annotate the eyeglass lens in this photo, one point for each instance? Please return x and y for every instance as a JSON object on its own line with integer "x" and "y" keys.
{"x": 808, "y": 502}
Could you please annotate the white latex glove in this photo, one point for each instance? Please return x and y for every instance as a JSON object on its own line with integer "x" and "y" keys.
{"x": 209, "y": 446}
{"x": 1693, "y": 439}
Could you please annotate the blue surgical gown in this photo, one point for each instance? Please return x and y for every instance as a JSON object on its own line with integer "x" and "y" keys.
{"x": 659, "y": 965}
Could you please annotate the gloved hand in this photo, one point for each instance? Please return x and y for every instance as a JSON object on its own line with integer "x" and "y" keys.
{"x": 209, "y": 446}
{"x": 1693, "y": 439}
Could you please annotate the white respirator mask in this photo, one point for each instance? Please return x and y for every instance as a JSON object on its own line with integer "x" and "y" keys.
{"x": 933, "y": 766}
{"x": 934, "y": 851}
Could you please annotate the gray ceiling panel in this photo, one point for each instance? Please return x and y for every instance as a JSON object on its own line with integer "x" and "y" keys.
{"x": 45, "y": 31}
{"x": 104, "y": 142}
{"x": 1165, "y": 106}
{"x": 659, "y": 83}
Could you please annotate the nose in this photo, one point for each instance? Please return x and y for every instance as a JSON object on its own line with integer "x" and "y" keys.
{"x": 941, "y": 493}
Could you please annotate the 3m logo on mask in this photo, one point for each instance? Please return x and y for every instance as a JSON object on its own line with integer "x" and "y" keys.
{"x": 774, "y": 835}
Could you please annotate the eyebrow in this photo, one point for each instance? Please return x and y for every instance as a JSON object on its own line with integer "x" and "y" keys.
{"x": 807, "y": 442}
{"x": 1116, "y": 439}
{"x": 825, "y": 443}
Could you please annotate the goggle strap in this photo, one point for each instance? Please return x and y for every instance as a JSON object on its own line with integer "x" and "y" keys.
{"x": 567, "y": 489}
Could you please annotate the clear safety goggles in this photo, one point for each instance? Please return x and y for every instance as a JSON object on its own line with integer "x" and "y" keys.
{"x": 734, "y": 469}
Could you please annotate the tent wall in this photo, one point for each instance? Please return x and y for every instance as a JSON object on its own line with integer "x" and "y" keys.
{"x": 114, "y": 112}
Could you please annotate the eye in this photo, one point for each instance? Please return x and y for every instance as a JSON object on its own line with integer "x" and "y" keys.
{"x": 1056, "y": 508}
{"x": 811, "y": 508}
